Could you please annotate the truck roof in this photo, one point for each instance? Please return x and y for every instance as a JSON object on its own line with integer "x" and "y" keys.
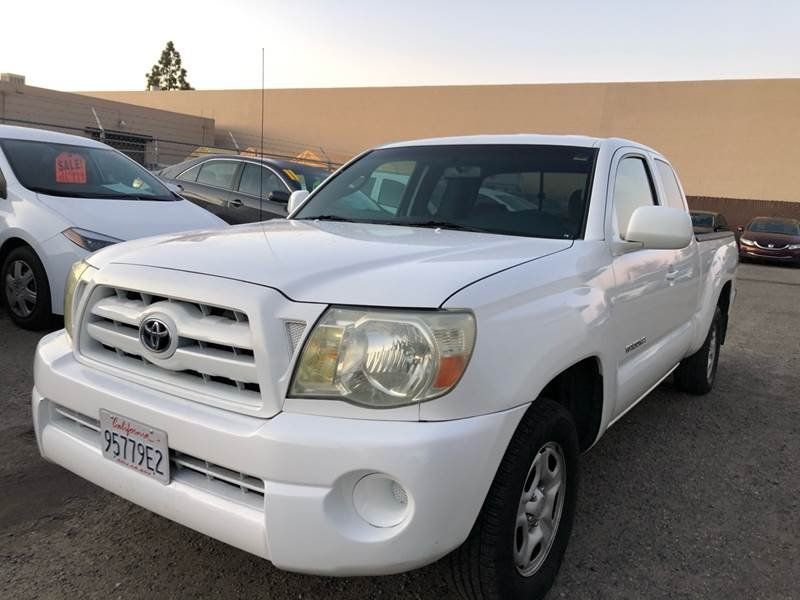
{"x": 532, "y": 139}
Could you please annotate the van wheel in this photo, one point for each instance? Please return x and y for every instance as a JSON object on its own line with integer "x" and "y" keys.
{"x": 515, "y": 548}
{"x": 26, "y": 291}
{"x": 696, "y": 374}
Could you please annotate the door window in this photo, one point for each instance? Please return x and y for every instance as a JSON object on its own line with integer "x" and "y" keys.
{"x": 218, "y": 173}
{"x": 632, "y": 189}
{"x": 674, "y": 197}
{"x": 251, "y": 185}
{"x": 190, "y": 174}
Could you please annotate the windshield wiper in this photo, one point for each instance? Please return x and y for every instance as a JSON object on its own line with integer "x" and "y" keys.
{"x": 342, "y": 219}
{"x": 441, "y": 225}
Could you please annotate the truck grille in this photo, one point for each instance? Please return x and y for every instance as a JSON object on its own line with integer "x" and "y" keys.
{"x": 213, "y": 355}
{"x": 185, "y": 468}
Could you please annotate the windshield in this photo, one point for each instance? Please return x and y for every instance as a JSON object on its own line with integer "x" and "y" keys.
{"x": 81, "y": 172}
{"x": 302, "y": 177}
{"x": 775, "y": 226}
{"x": 702, "y": 220}
{"x": 535, "y": 191}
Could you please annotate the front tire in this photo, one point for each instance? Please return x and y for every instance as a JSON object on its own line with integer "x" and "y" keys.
{"x": 26, "y": 291}
{"x": 697, "y": 373}
{"x": 515, "y": 548}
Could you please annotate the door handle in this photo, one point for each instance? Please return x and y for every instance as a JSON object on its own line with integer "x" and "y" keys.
{"x": 672, "y": 273}
{"x": 235, "y": 203}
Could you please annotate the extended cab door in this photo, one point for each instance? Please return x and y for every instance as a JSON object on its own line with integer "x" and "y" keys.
{"x": 651, "y": 299}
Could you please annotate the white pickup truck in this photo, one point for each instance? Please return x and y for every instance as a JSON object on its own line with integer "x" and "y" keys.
{"x": 397, "y": 372}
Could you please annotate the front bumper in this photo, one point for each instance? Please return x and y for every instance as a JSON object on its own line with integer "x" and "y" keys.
{"x": 775, "y": 256}
{"x": 305, "y": 519}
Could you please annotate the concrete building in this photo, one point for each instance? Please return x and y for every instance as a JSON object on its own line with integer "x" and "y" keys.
{"x": 733, "y": 142}
{"x": 151, "y": 136}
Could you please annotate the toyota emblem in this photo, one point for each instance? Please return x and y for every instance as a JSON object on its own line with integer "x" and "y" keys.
{"x": 155, "y": 335}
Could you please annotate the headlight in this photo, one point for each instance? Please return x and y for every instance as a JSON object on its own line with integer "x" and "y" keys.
{"x": 793, "y": 247}
{"x": 89, "y": 240}
{"x": 79, "y": 271}
{"x": 384, "y": 358}
{"x": 747, "y": 242}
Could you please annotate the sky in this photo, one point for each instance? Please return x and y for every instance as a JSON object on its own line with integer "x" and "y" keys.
{"x": 89, "y": 45}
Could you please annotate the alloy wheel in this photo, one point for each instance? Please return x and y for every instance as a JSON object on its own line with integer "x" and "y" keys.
{"x": 20, "y": 288}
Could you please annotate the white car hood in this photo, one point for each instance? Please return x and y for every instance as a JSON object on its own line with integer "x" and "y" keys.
{"x": 131, "y": 219}
{"x": 339, "y": 263}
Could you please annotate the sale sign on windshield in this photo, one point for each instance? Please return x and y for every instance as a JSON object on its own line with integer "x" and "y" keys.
{"x": 70, "y": 168}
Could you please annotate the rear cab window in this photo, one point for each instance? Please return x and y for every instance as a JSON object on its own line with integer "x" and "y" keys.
{"x": 669, "y": 182}
{"x": 633, "y": 187}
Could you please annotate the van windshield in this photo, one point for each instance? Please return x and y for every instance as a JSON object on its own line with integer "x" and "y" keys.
{"x": 81, "y": 172}
{"x": 526, "y": 190}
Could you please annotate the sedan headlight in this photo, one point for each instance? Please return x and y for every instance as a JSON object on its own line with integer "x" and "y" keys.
{"x": 384, "y": 358}
{"x": 89, "y": 240}
{"x": 77, "y": 274}
{"x": 793, "y": 247}
{"x": 747, "y": 242}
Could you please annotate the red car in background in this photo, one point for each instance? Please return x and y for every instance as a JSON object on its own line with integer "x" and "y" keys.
{"x": 772, "y": 239}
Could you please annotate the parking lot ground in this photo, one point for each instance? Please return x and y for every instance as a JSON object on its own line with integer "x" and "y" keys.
{"x": 685, "y": 498}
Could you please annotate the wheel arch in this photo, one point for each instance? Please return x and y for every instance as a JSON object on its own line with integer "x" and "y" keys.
{"x": 579, "y": 389}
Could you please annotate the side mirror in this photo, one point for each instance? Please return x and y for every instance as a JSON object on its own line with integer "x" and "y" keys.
{"x": 296, "y": 199}
{"x": 278, "y": 196}
{"x": 660, "y": 228}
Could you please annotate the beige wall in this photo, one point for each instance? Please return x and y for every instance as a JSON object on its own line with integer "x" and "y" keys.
{"x": 735, "y": 139}
{"x": 72, "y": 113}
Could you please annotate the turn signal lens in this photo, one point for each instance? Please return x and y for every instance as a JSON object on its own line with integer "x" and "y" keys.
{"x": 384, "y": 358}
{"x": 76, "y": 274}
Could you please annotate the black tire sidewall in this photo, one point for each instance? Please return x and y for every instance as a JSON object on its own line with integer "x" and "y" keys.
{"x": 41, "y": 316}
{"x": 714, "y": 327}
{"x": 511, "y": 584}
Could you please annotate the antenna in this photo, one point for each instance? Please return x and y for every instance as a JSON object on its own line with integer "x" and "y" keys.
{"x": 261, "y": 148}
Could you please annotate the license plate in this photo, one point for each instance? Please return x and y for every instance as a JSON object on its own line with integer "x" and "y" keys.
{"x": 135, "y": 445}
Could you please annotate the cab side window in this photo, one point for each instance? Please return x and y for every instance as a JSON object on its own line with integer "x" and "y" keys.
{"x": 672, "y": 191}
{"x": 632, "y": 188}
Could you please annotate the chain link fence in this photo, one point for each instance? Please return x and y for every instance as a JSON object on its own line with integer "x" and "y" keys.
{"x": 156, "y": 152}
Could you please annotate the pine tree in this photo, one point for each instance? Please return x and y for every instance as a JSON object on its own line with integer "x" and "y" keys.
{"x": 168, "y": 73}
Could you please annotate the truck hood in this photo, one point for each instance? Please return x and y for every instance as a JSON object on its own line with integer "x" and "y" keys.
{"x": 131, "y": 219}
{"x": 339, "y": 263}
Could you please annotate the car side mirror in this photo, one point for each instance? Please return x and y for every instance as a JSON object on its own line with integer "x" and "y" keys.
{"x": 279, "y": 196}
{"x": 660, "y": 228}
{"x": 296, "y": 199}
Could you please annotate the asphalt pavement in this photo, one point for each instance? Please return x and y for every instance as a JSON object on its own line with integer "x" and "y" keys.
{"x": 685, "y": 497}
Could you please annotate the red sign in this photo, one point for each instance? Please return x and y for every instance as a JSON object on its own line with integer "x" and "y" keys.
{"x": 70, "y": 168}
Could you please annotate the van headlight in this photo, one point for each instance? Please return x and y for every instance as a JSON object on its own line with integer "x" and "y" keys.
{"x": 384, "y": 358}
{"x": 747, "y": 242}
{"x": 77, "y": 274}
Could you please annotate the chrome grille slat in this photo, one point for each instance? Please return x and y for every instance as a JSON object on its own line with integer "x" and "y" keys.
{"x": 214, "y": 354}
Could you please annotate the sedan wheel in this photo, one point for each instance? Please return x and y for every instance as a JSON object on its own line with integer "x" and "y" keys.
{"x": 26, "y": 290}
{"x": 21, "y": 291}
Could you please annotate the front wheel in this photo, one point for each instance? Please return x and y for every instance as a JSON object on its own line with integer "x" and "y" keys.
{"x": 515, "y": 548}
{"x": 26, "y": 290}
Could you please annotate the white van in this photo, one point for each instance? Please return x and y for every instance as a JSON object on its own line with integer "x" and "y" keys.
{"x": 61, "y": 198}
